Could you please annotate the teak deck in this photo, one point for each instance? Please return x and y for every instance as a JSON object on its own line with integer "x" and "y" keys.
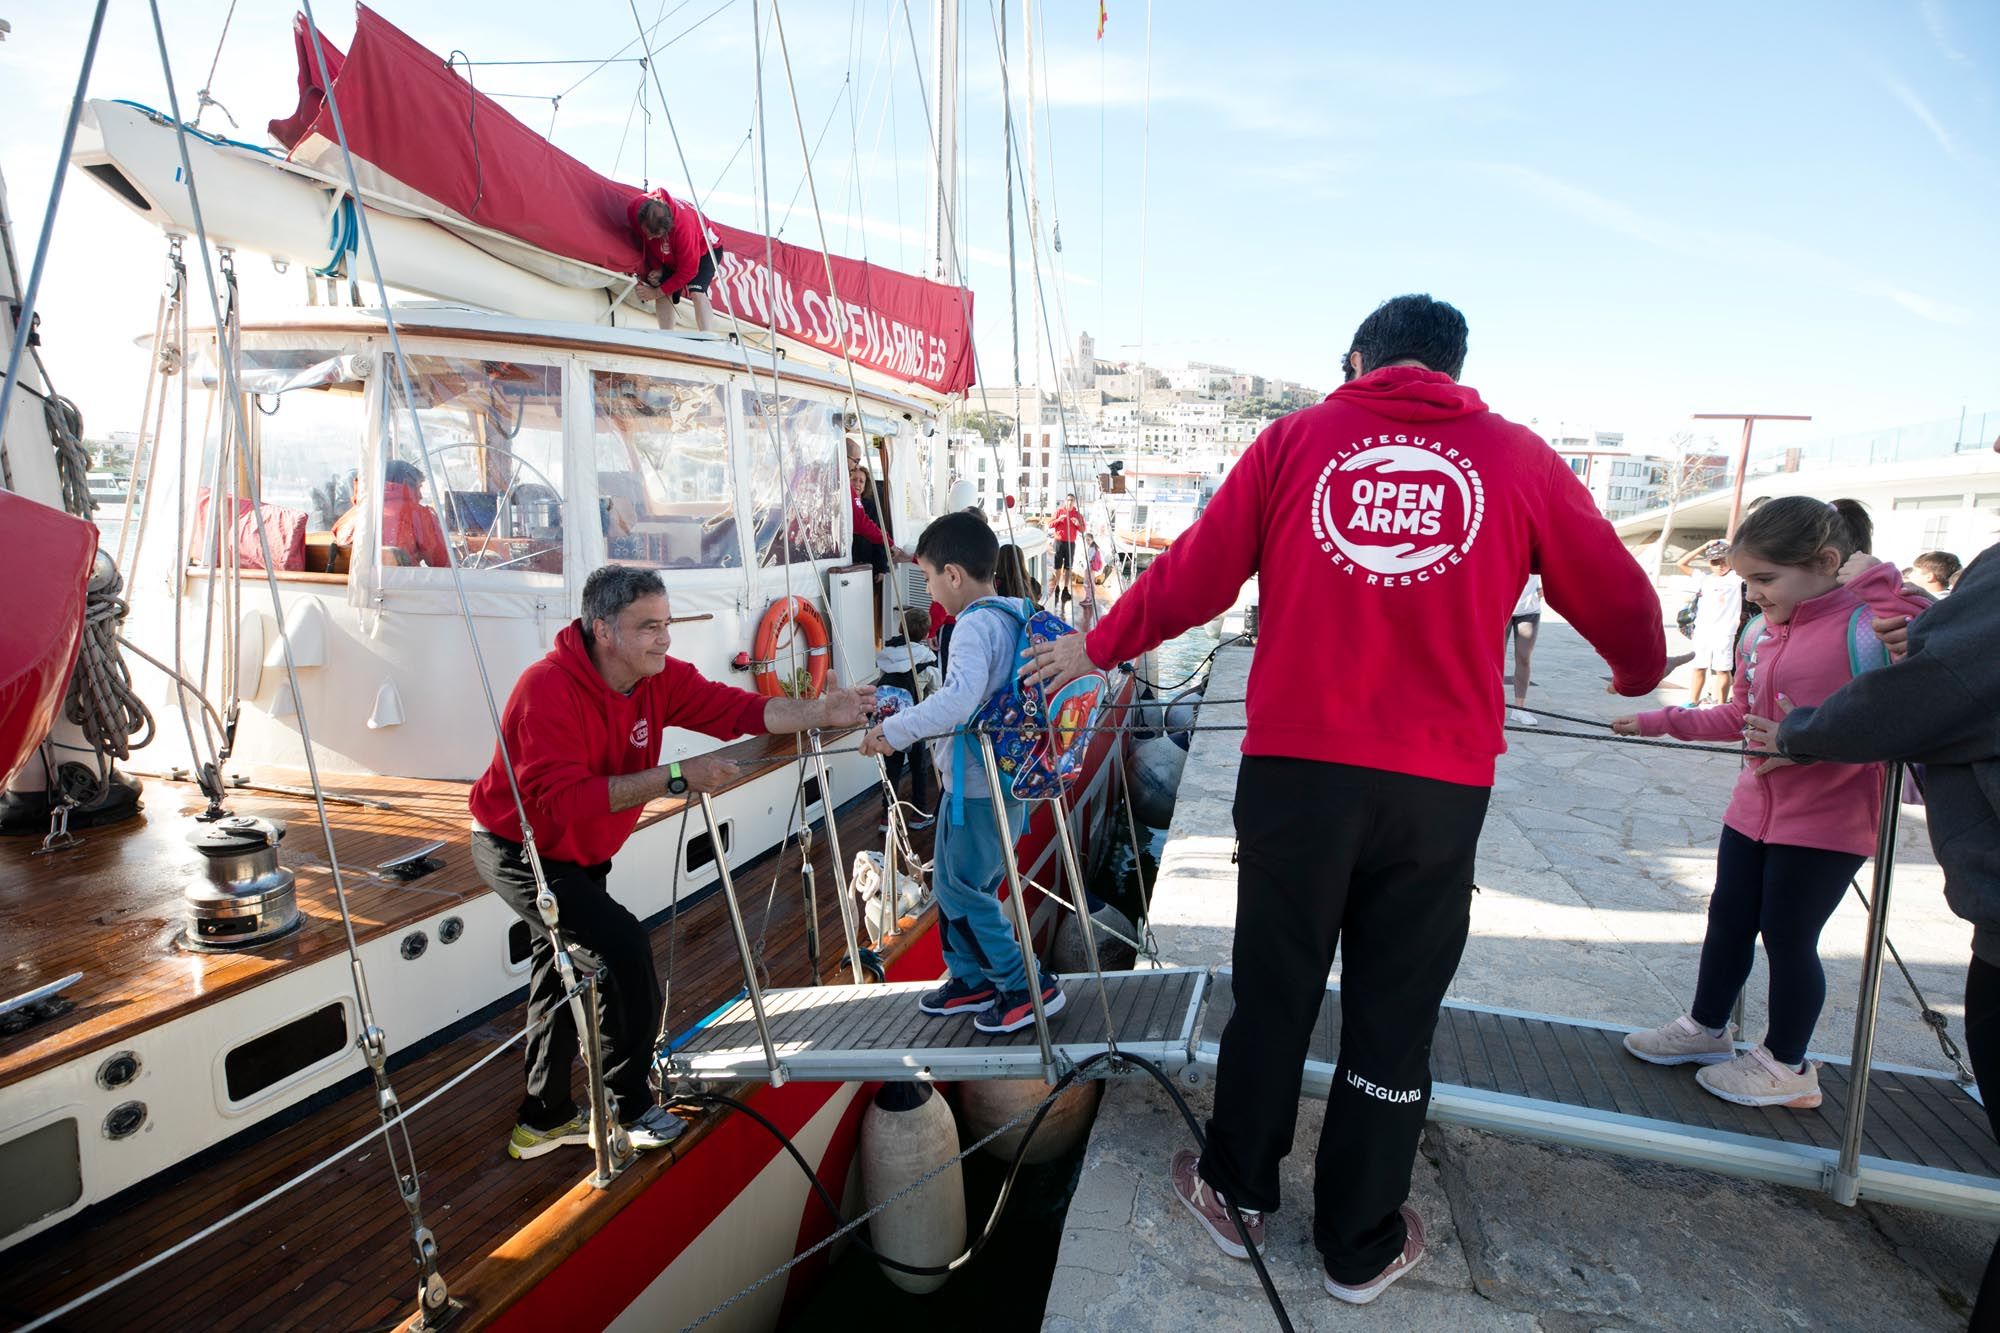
{"x": 336, "y": 1252}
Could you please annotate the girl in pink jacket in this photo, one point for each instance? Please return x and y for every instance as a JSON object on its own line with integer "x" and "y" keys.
{"x": 1794, "y": 835}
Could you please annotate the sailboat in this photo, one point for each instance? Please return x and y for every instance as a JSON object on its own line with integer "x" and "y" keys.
{"x": 257, "y": 1032}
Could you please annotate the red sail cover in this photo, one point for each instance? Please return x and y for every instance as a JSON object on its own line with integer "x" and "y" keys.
{"x": 411, "y": 117}
{"x": 41, "y": 620}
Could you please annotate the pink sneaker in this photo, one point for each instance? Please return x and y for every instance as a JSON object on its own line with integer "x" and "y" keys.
{"x": 1412, "y": 1255}
{"x": 1758, "y": 1078}
{"x": 1209, "y": 1209}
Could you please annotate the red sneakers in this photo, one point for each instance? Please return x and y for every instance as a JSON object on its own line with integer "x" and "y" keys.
{"x": 1209, "y": 1209}
{"x": 1412, "y": 1255}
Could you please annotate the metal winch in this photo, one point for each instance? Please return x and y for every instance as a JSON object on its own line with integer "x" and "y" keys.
{"x": 239, "y": 896}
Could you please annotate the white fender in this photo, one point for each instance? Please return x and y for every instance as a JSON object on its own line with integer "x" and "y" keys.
{"x": 907, "y": 1131}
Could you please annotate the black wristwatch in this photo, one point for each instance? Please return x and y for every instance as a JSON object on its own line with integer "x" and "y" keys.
{"x": 676, "y": 784}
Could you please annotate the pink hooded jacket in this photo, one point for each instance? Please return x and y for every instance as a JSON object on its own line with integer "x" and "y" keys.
{"x": 1825, "y": 644}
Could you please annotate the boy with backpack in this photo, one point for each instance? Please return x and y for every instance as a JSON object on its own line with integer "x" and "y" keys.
{"x": 958, "y": 554}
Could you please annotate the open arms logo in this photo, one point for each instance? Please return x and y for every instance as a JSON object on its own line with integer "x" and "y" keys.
{"x": 1397, "y": 510}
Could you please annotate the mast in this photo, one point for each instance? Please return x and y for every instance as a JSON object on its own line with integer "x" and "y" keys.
{"x": 940, "y": 263}
{"x": 1034, "y": 229}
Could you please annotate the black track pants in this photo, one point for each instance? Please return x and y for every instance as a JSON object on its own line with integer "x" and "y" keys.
{"x": 603, "y": 937}
{"x": 1380, "y": 864}
{"x": 1982, "y": 1044}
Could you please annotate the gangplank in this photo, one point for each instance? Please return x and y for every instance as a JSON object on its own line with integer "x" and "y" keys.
{"x": 1890, "y": 1133}
{"x": 877, "y": 1032}
{"x": 1925, "y": 1142}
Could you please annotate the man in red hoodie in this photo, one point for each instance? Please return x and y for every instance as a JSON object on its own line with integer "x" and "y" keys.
{"x": 678, "y": 255}
{"x": 1402, "y": 516}
{"x": 583, "y": 727}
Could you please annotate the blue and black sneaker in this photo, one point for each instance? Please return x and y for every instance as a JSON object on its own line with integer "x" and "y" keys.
{"x": 958, "y": 997}
{"x": 1014, "y": 1010}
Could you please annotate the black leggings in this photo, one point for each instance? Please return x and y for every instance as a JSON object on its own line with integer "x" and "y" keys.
{"x": 1785, "y": 894}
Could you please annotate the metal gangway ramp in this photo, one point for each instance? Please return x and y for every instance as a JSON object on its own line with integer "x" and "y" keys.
{"x": 1925, "y": 1141}
{"x": 823, "y": 1033}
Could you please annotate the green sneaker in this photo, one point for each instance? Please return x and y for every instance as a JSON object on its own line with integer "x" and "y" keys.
{"x": 526, "y": 1142}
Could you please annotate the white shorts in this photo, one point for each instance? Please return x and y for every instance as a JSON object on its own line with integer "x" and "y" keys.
{"x": 1715, "y": 653}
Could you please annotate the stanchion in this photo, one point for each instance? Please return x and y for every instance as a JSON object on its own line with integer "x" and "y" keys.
{"x": 1018, "y": 898}
{"x": 1846, "y": 1183}
{"x": 750, "y": 982}
{"x": 1075, "y": 873}
{"x": 839, "y": 866}
{"x": 607, "y": 1137}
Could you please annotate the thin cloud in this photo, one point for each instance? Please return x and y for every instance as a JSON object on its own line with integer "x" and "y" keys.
{"x": 1938, "y": 24}
{"x": 1747, "y": 248}
{"x": 1915, "y": 105}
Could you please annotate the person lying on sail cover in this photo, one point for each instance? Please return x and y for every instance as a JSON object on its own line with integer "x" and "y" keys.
{"x": 1401, "y": 511}
{"x": 583, "y": 727}
{"x": 678, "y": 255}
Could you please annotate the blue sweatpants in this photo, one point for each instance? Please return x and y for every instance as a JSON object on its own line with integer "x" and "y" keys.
{"x": 966, "y": 871}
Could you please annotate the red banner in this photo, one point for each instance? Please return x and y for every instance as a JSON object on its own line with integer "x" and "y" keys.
{"x": 413, "y": 122}
{"x": 888, "y": 321}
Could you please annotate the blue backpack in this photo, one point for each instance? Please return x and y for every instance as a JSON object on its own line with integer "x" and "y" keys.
{"x": 1015, "y": 716}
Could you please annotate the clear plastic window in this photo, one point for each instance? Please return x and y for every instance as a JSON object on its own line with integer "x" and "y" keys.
{"x": 799, "y": 492}
{"x": 307, "y": 419}
{"x": 665, "y": 485}
{"x": 495, "y": 434}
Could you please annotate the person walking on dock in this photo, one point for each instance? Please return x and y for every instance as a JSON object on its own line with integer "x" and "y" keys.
{"x": 584, "y": 727}
{"x": 1400, "y": 512}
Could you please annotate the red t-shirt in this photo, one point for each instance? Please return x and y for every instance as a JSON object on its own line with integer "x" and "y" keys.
{"x": 1391, "y": 528}
{"x": 679, "y": 253}
{"x": 1067, "y": 524}
{"x": 570, "y": 733}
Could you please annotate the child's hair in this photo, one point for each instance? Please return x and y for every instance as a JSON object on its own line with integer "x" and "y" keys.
{"x": 1792, "y": 529}
{"x": 1942, "y": 566}
{"x": 1010, "y": 576}
{"x": 916, "y": 623}
{"x": 960, "y": 539}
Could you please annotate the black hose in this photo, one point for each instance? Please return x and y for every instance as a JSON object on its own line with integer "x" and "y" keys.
{"x": 1013, "y": 1170}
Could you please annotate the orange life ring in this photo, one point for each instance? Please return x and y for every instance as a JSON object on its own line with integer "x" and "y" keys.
{"x": 799, "y": 613}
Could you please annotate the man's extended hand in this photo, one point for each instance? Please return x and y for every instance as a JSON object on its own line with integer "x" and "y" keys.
{"x": 1894, "y": 632}
{"x": 1761, "y": 734}
{"x": 845, "y": 707}
{"x": 874, "y": 743}
{"x": 1855, "y": 566}
{"x": 1057, "y": 662}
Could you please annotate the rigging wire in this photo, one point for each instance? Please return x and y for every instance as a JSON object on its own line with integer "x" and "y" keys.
{"x": 202, "y": 99}
{"x": 373, "y": 1042}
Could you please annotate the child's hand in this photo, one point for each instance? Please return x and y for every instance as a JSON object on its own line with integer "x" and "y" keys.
{"x": 1625, "y": 726}
{"x": 1857, "y": 564}
{"x": 874, "y": 743}
{"x": 1761, "y": 735}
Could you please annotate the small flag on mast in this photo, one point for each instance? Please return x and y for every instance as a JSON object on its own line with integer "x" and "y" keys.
{"x": 1101, "y": 16}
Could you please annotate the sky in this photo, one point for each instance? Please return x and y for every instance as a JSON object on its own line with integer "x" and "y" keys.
{"x": 1644, "y": 211}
